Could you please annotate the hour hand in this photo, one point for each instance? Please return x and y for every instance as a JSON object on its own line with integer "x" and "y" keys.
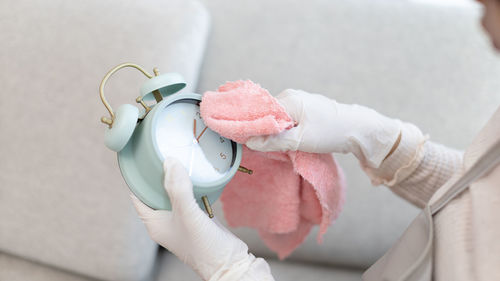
{"x": 194, "y": 128}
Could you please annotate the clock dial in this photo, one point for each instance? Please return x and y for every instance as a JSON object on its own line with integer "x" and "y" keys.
{"x": 181, "y": 133}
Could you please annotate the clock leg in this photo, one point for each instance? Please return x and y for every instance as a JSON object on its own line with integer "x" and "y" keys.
{"x": 245, "y": 170}
{"x": 208, "y": 208}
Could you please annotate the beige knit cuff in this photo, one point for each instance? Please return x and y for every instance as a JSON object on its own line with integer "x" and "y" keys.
{"x": 403, "y": 161}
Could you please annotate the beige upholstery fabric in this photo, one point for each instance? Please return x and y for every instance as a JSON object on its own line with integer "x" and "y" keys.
{"x": 16, "y": 269}
{"x": 169, "y": 268}
{"x": 172, "y": 269}
{"x": 62, "y": 199}
{"x": 419, "y": 61}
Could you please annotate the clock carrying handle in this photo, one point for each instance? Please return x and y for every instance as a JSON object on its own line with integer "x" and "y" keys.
{"x": 107, "y": 120}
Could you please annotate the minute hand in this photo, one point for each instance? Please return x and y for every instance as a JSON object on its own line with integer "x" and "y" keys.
{"x": 198, "y": 138}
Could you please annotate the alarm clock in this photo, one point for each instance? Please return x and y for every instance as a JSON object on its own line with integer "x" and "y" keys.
{"x": 172, "y": 127}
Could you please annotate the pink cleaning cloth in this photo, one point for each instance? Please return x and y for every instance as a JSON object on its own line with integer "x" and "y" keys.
{"x": 288, "y": 192}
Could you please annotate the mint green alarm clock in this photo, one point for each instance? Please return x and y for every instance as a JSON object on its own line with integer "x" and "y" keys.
{"x": 172, "y": 127}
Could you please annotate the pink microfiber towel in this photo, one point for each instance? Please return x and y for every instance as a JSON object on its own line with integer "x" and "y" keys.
{"x": 288, "y": 192}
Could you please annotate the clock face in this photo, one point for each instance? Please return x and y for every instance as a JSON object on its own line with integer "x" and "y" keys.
{"x": 181, "y": 133}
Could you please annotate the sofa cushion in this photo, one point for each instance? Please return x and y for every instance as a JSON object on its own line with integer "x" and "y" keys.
{"x": 63, "y": 201}
{"x": 172, "y": 269}
{"x": 17, "y": 269}
{"x": 425, "y": 62}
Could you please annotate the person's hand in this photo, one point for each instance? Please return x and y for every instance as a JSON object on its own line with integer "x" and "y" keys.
{"x": 325, "y": 126}
{"x": 202, "y": 243}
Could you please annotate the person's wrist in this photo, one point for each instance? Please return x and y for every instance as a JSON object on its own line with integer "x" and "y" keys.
{"x": 394, "y": 147}
{"x": 398, "y": 165}
{"x": 233, "y": 269}
{"x": 378, "y": 139}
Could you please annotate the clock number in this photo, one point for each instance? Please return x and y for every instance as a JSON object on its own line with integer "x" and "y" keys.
{"x": 223, "y": 156}
{"x": 198, "y": 114}
{"x": 221, "y": 140}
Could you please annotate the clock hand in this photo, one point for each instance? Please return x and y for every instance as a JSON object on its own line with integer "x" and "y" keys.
{"x": 194, "y": 128}
{"x": 195, "y": 140}
{"x": 198, "y": 138}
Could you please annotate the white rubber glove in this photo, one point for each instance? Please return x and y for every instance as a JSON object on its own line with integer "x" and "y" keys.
{"x": 325, "y": 126}
{"x": 200, "y": 242}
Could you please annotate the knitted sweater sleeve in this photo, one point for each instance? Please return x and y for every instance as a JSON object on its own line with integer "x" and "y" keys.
{"x": 417, "y": 168}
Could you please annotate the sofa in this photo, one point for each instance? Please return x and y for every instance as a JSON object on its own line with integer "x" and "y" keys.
{"x": 65, "y": 212}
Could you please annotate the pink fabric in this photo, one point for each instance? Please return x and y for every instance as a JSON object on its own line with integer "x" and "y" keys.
{"x": 288, "y": 192}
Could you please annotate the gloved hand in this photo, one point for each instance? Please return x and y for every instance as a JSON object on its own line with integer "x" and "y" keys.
{"x": 202, "y": 243}
{"x": 325, "y": 126}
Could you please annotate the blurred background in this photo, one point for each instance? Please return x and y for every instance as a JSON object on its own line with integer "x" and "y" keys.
{"x": 65, "y": 212}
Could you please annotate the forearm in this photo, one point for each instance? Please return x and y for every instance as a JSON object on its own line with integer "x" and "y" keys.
{"x": 416, "y": 168}
{"x": 437, "y": 166}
